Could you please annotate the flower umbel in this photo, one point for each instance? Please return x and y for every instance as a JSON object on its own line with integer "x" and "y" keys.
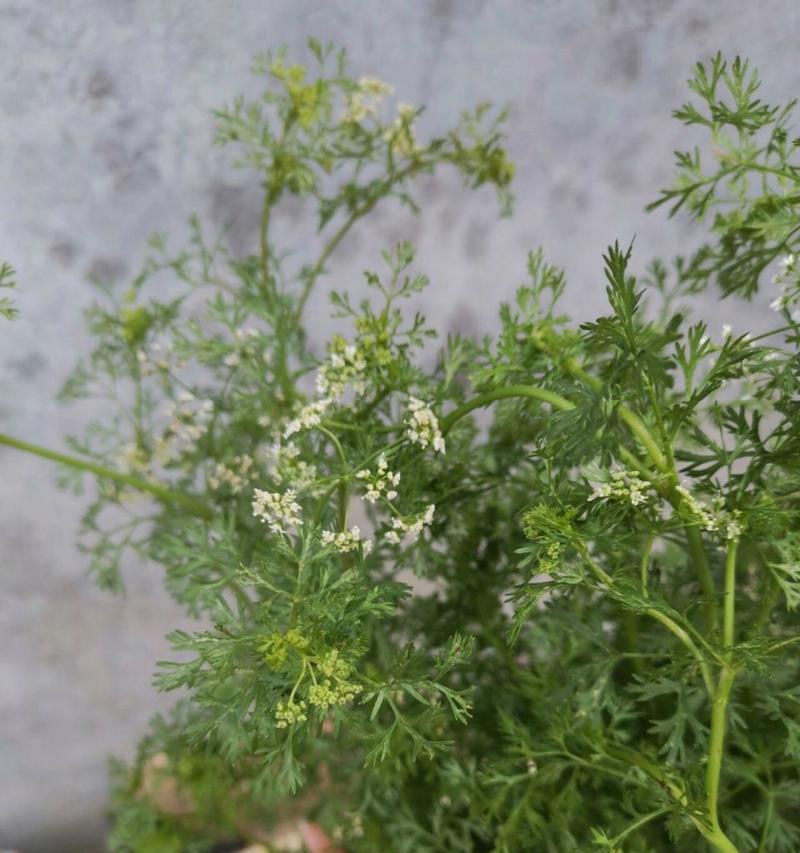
{"x": 346, "y": 540}
{"x": 279, "y": 511}
{"x": 309, "y": 417}
{"x": 410, "y": 530}
{"x": 625, "y": 486}
{"x": 382, "y": 483}
{"x": 423, "y": 426}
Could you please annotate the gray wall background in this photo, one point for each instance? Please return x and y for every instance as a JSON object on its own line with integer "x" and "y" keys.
{"x": 105, "y": 138}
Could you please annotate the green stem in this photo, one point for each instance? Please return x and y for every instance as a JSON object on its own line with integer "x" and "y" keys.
{"x": 762, "y": 846}
{"x": 719, "y": 706}
{"x": 532, "y": 391}
{"x": 273, "y": 187}
{"x": 728, "y": 623}
{"x": 644, "y": 565}
{"x": 193, "y": 504}
{"x": 638, "y": 428}
{"x": 270, "y": 196}
{"x": 715, "y": 836}
{"x": 330, "y": 248}
{"x": 703, "y": 569}
{"x": 638, "y": 824}
{"x": 344, "y": 492}
{"x": 716, "y": 745}
{"x": 783, "y": 644}
{"x": 313, "y": 274}
{"x": 689, "y": 643}
{"x": 336, "y": 443}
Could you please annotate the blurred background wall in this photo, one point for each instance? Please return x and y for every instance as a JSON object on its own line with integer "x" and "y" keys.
{"x": 105, "y": 138}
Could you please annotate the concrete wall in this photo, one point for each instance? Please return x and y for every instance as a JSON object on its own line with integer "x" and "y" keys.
{"x": 105, "y": 137}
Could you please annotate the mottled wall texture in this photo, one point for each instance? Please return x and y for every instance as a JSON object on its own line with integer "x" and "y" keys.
{"x": 105, "y": 138}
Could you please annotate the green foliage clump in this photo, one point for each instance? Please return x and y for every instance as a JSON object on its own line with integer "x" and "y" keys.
{"x": 570, "y": 629}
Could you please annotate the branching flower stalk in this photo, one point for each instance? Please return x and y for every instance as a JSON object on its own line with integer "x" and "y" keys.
{"x": 540, "y": 595}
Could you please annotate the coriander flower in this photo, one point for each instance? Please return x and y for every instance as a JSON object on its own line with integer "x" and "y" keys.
{"x": 712, "y": 516}
{"x": 309, "y": 417}
{"x": 375, "y": 86}
{"x": 381, "y": 483}
{"x": 422, "y": 426}
{"x": 787, "y": 277}
{"x": 402, "y": 530}
{"x": 346, "y": 366}
{"x": 188, "y": 422}
{"x": 279, "y": 511}
{"x": 134, "y": 459}
{"x": 366, "y": 100}
{"x": 232, "y": 478}
{"x": 625, "y": 486}
{"x": 733, "y": 527}
{"x": 400, "y": 134}
{"x": 242, "y": 335}
{"x": 287, "y": 466}
{"x": 346, "y": 540}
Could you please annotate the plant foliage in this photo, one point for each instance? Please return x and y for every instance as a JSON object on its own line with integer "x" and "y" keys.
{"x": 570, "y": 629}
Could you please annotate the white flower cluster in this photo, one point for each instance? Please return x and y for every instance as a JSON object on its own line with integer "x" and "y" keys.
{"x": 309, "y": 417}
{"x": 356, "y": 829}
{"x": 279, "y": 511}
{"x": 285, "y": 465}
{"x": 347, "y": 540}
{"x": 233, "y": 478}
{"x": 400, "y": 133}
{"x": 788, "y": 276}
{"x": 189, "y": 417}
{"x": 134, "y": 459}
{"x": 156, "y": 357}
{"x": 382, "y": 482}
{"x": 624, "y": 486}
{"x": 712, "y": 517}
{"x": 243, "y": 337}
{"x": 402, "y": 530}
{"x": 422, "y": 426}
{"x": 188, "y": 420}
{"x": 366, "y": 99}
{"x": 345, "y": 366}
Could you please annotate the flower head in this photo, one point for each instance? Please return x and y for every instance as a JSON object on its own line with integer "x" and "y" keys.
{"x": 345, "y": 367}
{"x": 380, "y": 483}
{"x": 410, "y": 530}
{"x": 623, "y": 485}
{"x": 346, "y": 540}
{"x": 279, "y": 511}
{"x": 422, "y": 426}
{"x": 309, "y": 417}
{"x": 234, "y": 477}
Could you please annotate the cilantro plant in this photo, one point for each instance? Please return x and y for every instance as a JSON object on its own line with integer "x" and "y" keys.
{"x": 540, "y": 595}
